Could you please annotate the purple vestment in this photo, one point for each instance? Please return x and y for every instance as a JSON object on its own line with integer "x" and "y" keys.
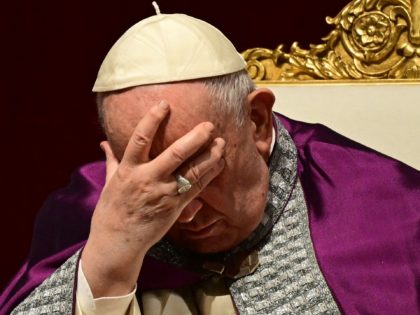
{"x": 364, "y": 214}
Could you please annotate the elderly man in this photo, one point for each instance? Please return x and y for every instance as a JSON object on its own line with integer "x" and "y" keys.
{"x": 213, "y": 205}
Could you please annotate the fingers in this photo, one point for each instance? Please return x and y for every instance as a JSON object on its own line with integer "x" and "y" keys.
{"x": 111, "y": 160}
{"x": 204, "y": 163}
{"x": 182, "y": 149}
{"x": 138, "y": 147}
{"x": 204, "y": 180}
{"x": 204, "y": 168}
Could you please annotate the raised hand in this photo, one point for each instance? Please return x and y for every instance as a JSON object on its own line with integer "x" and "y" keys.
{"x": 140, "y": 201}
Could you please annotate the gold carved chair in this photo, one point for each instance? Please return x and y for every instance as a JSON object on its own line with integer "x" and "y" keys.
{"x": 362, "y": 81}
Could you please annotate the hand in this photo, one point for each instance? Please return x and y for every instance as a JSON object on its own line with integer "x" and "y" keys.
{"x": 140, "y": 202}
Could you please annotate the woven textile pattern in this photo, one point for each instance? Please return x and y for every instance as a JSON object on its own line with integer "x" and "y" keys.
{"x": 288, "y": 280}
{"x": 54, "y": 295}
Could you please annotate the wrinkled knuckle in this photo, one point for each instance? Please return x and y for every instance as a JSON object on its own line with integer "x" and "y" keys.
{"x": 140, "y": 139}
{"x": 194, "y": 173}
{"x": 177, "y": 155}
{"x": 122, "y": 173}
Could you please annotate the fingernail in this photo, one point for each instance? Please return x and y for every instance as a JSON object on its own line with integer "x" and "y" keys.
{"x": 209, "y": 126}
{"x": 220, "y": 142}
{"x": 164, "y": 105}
{"x": 223, "y": 143}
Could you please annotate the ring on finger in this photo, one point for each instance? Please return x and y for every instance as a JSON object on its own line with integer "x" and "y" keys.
{"x": 182, "y": 183}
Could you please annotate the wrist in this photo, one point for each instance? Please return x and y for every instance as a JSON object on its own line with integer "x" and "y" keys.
{"x": 110, "y": 270}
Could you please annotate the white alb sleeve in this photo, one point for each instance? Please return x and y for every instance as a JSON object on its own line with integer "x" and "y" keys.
{"x": 87, "y": 305}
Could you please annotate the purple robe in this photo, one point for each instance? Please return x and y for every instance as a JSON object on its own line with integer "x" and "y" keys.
{"x": 364, "y": 215}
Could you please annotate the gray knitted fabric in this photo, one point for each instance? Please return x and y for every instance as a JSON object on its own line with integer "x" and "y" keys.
{"x": 288, "y": 281}
{"x": 54, "y": 295}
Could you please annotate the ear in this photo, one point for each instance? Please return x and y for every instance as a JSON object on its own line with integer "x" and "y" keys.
{"x": 261, "y": 103}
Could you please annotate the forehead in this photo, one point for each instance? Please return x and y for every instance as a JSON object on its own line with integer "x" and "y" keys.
{"x": 190, "y": 104}
{"x": 186, "y": 99}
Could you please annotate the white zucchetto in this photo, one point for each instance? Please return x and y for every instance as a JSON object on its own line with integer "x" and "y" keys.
{"x": 167, "y": 48}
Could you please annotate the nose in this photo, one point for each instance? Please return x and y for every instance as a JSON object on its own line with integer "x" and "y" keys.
{"x": 189, "y": 212}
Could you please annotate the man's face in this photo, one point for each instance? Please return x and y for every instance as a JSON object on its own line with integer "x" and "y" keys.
{"x": 231, "y": 206}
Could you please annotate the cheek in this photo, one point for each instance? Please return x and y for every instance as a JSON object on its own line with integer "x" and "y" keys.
{"x": 218, "y": 194}
{"x": 224, "y": 196}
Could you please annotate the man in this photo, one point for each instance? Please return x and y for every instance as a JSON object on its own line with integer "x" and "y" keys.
{"x": 210, "y": 206}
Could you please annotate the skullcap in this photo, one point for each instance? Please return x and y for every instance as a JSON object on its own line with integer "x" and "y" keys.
{"x": 167, "y": 48}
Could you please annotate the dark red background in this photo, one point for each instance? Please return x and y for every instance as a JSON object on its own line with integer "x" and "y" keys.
{"x": 50, "y": 53}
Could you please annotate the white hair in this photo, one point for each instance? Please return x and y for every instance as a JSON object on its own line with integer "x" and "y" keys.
{"x": 230, "y": 92}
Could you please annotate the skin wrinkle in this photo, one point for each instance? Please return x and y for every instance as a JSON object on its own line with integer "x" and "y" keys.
{"x": 234, "y": 200}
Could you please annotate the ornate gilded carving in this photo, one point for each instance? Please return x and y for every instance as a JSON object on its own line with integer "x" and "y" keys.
{"x": 372, "y": 39}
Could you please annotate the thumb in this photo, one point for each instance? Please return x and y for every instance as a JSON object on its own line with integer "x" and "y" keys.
{"x": 111, "y": 160}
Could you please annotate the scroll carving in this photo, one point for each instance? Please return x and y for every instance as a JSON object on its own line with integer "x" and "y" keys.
{"x": 372, "y": 39}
